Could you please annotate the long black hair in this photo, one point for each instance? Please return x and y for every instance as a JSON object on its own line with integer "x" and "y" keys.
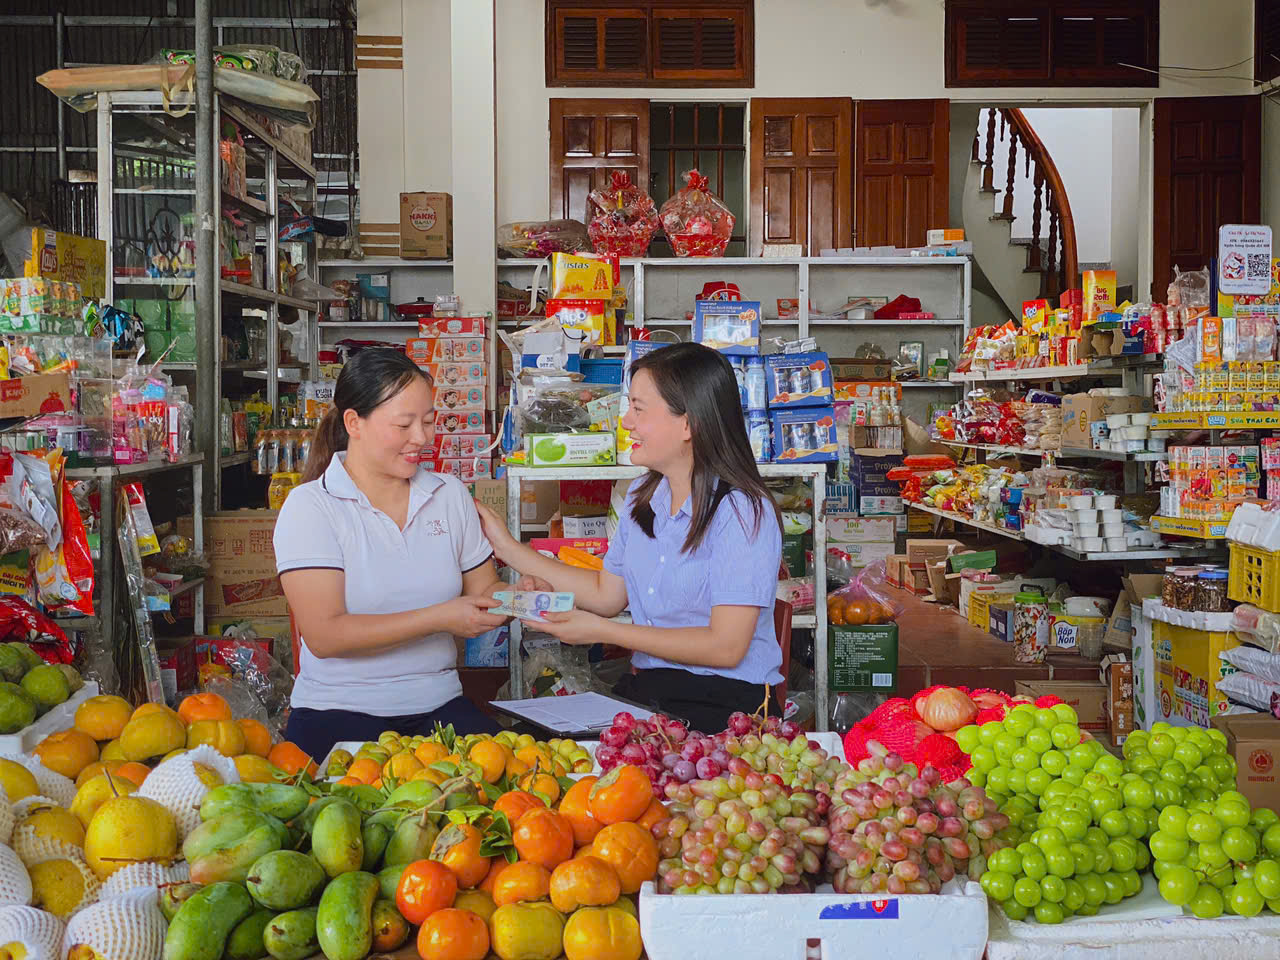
{"x": 369, "y": 379}
{"x": 699, "y": 383}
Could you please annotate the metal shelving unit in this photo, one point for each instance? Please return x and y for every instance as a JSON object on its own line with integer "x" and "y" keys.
{"x": 150, "y": 226}
{"x": 815, "y": 473}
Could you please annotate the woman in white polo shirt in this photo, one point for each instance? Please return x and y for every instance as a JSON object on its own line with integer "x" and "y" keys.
{"x": 383, "y": 563}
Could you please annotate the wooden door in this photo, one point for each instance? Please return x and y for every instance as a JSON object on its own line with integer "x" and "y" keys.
{"x": 589, "y": 140}
{"x": 1208, "y": 171}
{"x": 801, "y": 172}
{"x": 901, "y": 171}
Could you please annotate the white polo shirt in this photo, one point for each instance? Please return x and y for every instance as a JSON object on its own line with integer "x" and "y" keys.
{"x": 329, "y": 524}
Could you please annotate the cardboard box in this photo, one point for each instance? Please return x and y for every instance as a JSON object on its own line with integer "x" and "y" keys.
{"x": 1188, "y": 669}
{"x": 1133, "y": 589}
{"x": 1088, "y": 698}
{"x": 551, "y": 546}
{"x": 1079, "y": 410}
{"x": 460, "y": 421}
{"x": 850, "y": 368}
{"x": 896, "y": 569}
{"x": 1000, "y": 621}
{"x": 935, "y": 238}
{"x": 426, "y": 226}
{"x": 242, "y": 579}
{"x": 177, "y": 668}
{"x": 864, "y": 554}
{"x": 945, "y": 587}
{"x": 493, "y": 494}
{"x": 1065, "y": 631}
{"x": 34, "y": 395}
{"x": 797, "y": 379}
{"x": 877, "y": 506}
{"x": 438, "y": 327}
{"x": 863, "y": 658}
{"x": 575, "y": 527}
{"x": 732, "y": 327}
{"x": 804, "y": 435}
{"x": 1116, "y": 671}
{"x": 859, "y": 529}
{"x": 1254, "y": 740}
{"x": 539, "y": 499}
{"x": 569, "y": 449}
{"x": 867, "y": 471}
{"x": 920, "y": 552}
{"x": 795, "y": 547}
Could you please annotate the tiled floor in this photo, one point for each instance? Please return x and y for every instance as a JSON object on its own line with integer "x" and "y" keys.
{"x": 937, "y": 645}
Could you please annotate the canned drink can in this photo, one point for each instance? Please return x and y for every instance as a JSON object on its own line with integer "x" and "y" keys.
{"x": 801, "y": 380}
{"x": 758, "y": 435}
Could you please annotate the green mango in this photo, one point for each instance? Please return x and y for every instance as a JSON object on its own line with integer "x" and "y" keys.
{"x": 413, "y": 795}
{"x": 344, "y": 925}
{"x": 292, "y": 935}
{"x": 285, "y": 880}
{"x": 336, "y": 840}
{"x": 375, "y": 837}
{"x": 463, "y": 798}
{"x": 389, "y": 879}
{"x": 233, "y": 862}
{"x": 411, "y": 841}
{"x": 389, "y": 818}
{"x": 173, "y": 896}
{"x": 222, "y": 831}
{"x": 202, "y": 925}
{"x": 245, "y": 942}
{"x": 306, "y": 820}
{"x": 281, "y": 800}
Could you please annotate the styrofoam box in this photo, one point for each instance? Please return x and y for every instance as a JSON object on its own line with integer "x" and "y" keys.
{"x": 1194, "y": 619}
{"x": 60, "y": 717}
{"x": 843, "y": 925}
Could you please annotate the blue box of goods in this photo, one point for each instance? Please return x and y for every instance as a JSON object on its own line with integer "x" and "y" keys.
{"x": 602, "y": 370}
{"x": 805, "y": 435}
{"x": 730, "y": 326}
{"x": 798, "y": 379}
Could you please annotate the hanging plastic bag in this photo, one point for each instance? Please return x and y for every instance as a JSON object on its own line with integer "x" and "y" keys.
{"x": 696, "y": 222}
{"x": 22, "y": 622}
{"x": 64, "y": 575}
{"x": 863, "y": 601}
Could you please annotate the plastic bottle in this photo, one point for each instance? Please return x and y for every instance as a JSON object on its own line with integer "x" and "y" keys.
{"x": 844, "y": 713}
{"x": 755, "y": 382}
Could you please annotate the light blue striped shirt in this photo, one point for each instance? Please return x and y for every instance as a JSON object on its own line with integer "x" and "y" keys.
{"x": 735, "y": 565}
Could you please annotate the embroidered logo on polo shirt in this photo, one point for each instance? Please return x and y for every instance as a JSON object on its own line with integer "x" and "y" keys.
{"x": 435, "y": 528}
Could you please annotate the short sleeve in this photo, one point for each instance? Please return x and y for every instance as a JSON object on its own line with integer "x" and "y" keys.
{"x": 616, "y": 554}
{"x": 305, "y": 536}
{"x": 470, "y": 545}
{"x": 744, "y": 559}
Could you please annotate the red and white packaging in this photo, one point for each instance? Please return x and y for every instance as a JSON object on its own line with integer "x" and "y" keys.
{"x": 456, "y": 374}
{"x": 462, "y": 397}
{"x": 441, "y": 327}
{"x": 460, "y": 421}
{"x": 457, "y": 445}
{"x": 468, "y": 469}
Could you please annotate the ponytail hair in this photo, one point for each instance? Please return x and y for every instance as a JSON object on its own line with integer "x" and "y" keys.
{"x": 369, "y": 379}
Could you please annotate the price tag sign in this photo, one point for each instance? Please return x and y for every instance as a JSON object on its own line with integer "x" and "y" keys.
{"x": 1244, "y": 258}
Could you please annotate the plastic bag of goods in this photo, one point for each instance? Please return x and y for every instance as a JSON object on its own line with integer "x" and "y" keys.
{"x": 695, "y": 221}
{"x": 626, "y": 220}
{"x": 542, "y": 238}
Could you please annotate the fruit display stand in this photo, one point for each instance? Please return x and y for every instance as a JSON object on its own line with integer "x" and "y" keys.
{"x": 815, "y": 474}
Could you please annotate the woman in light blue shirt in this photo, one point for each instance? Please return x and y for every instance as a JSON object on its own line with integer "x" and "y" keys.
{"x": 695, "y": 556}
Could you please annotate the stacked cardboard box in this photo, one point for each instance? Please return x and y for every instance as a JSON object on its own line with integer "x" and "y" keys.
{"x": 454, "y": 350}
{"x": 864, "y": 540}
{"x": 1116, "y": 674}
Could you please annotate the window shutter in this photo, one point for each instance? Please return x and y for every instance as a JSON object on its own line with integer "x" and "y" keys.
{"x": 1266, "y": 40}
{"x": 650, "y": 43}
{"x": 1051, "y": 43}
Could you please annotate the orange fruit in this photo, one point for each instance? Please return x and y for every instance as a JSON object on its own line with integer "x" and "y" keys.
{"x": 152, "y": 734}
{"x": 575, "y": 808}
{"x": 543, "y": 783}
{"x": 458, "y": 847}
{"x": 137, "y": 772}
{"x": 103, "y": 717}
{"x": 602, "y": 933}
{"x": 632, "y": 852}
{"x": 496, "y": 866}
{"x": 491, "y": 758}
{"x": 655, "y": 813}
{"x": 255, "y": 769}
{"x": 146, "y": 708}
{"x": 225, "y": 736}
{"x": 349, "y": 781}
{"x": 583, "y": 882}
{"x": 516, "y": 803}
{"x": 67, "y": 752}
{"x": 453, "y": 935}
{"x": 429, "y": 752}
{"x": 290, "y": 758}
{"x": 522, "y": 880}
{"x": 425, "y": 887}
{"x": 364, "y": 769}
{"x": 257, "y": 738}
{"x": 544, "y": 837}
{"x": 204, "y": 706}
{"x": 621, "y": 794}
{"x": 402, "y": 766}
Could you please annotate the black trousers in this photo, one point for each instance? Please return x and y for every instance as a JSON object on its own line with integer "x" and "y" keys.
{"x": 703, "y": 702}
{"x": 316, "y": 731}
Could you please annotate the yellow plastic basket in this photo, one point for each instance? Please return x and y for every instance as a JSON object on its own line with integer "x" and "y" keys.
{"x": 1255, "y": 577}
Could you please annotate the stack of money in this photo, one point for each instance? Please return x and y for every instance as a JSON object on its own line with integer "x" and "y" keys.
{"x": 530, "y": 604}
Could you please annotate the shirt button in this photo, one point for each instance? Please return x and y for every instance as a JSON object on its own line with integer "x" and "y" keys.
{"x": 651, "y": 589}
{"x": 662, "y": 559}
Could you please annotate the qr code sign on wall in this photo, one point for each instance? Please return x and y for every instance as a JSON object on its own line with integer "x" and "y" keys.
{"x": 1259, "y": 269}
{"x": 1244, "y": 259}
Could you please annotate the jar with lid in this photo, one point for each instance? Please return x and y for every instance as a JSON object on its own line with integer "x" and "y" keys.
{"x": 1030, "y": 627}
{"x": 1211, "y": 592}
{"x": 1184, "y": 587}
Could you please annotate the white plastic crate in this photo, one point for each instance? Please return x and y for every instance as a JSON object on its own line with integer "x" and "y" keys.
{"x": 815, "y": 926}
{"x": 60, "y": 717}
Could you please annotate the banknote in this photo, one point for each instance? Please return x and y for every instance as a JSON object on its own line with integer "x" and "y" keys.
{"x": 530, "y": 604}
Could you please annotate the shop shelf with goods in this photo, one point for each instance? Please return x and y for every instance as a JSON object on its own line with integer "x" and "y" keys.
{"x": 661, "y": 292}
{"x": 815, "y": 473}
{"x": 146, "y": 215}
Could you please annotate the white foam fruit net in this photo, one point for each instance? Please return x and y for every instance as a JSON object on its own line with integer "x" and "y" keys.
{"x": 39, "y": 931}
{"x": 90, "y": 886}
{"x": 175, "y": 785}
{"x": 7, "y": 818}
{"x": 15, "y": 883}
{"x": 137, "y": 876}
{"x": 27, "y": 843}
{"x": 122, "y": 928}
{"x": 52, "y": 784}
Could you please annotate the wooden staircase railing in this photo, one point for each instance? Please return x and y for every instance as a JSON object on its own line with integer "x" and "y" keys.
{"x": 1057, "y": 263}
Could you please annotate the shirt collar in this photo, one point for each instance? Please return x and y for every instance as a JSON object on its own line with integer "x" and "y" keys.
{"x": 338, "y": 483}
{"x": 660, "y": 502}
